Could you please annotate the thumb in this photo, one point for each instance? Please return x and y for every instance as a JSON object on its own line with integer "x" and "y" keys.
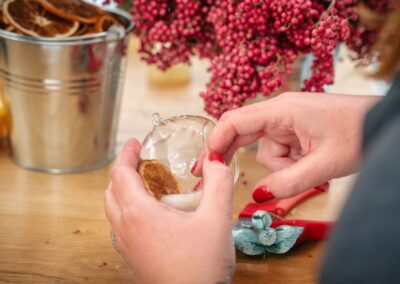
{"x": 308, "y": 172}
{"x": 218, "y": 186}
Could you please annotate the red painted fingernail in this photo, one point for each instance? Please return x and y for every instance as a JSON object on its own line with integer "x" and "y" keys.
{"x": 214, "y": 156}
{"x": 194, "y": 167}
{"x": 263, "y": 194}
{"x": 198, "y": 186}
{"x": 323, "y": 187}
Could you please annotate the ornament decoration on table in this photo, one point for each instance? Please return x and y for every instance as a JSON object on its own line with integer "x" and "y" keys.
{"x": 252, "y": 45}
{"x": 259, "y": 238}
{"x": 261, "y": 228}
{"x": 54, "y": 18}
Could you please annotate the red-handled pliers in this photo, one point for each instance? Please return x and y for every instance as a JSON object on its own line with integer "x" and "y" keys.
{"x": 313, "y": 230}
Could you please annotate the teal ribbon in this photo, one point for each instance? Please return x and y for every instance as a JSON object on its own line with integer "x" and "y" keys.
{"x": 257, "y": 237}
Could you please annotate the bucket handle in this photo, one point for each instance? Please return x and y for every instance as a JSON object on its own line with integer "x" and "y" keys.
{"x": 115, "y": 32}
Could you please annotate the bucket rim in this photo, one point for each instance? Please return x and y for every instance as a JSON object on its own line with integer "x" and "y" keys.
{"x": 86, "y": 39}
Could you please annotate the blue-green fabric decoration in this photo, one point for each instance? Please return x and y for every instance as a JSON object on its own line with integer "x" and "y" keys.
{"x": 267, "y": 237}
{"x": 256, "y": 237}
{"x": 286, "y": 237}
{"x": 261, "y": 220}
{"x": 246, "y": 240}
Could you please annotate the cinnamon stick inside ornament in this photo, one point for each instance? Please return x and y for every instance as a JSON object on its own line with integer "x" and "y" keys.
{"x": 158, "y": 179}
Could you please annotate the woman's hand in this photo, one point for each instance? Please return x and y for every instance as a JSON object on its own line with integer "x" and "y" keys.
{"x": 164, "y": 245}
{"x": 306, "y": 139}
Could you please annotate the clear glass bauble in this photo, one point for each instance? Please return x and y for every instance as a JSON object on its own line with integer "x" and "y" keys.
{"x": 178, "y": 142}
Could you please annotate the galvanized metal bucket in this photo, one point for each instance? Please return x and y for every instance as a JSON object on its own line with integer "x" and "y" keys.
{"x": 64, "y": 97}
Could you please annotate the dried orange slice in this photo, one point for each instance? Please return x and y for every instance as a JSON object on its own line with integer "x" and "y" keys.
{"x": 5, "y": 118}
{"x": 157, "y": 178}
{"x": 91, "y": 30}
{"x": 81, "y": 30}
{"x": 105, "y": 22}
{"x": 85, "y": 29}
{"x": 74, "y": 10}
{"x": 10, "y": 29}
{"x": 3, "y": 24}
{"x": 29, "y": 17}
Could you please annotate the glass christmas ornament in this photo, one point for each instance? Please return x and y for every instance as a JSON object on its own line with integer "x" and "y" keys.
{"x": 177, "y": 142}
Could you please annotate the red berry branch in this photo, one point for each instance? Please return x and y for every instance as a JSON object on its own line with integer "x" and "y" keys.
{"x": 252, "y": 44}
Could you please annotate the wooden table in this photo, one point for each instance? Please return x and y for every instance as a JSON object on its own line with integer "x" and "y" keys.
{"x": 53, "y": 228}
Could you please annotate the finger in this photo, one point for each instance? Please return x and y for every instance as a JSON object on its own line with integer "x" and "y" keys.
{"x": 247, "y": 120}
{"x": 130, "y": 154}
{"x": 111, "y": 207}
{"x": 128, "y": 187}
{"x": 198, "y": 166}
{"x": 324, "y": 187}
{"x": 114, "y": 240}
{"x": 118, "y": 243}
{"x": 273, "y": 155}
{"x": 218, "y": 190}
{"x": 310, "y": 171}
{"x": 239, "y": 141}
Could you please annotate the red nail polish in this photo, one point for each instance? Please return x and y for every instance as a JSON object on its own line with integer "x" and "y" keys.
{"x": 214, "y": 156}
{"x": 263, "y": 194}
{"x": 198, "y": 186}
{"x": 194, "y": 167}
{"x": 323, "y": 187}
